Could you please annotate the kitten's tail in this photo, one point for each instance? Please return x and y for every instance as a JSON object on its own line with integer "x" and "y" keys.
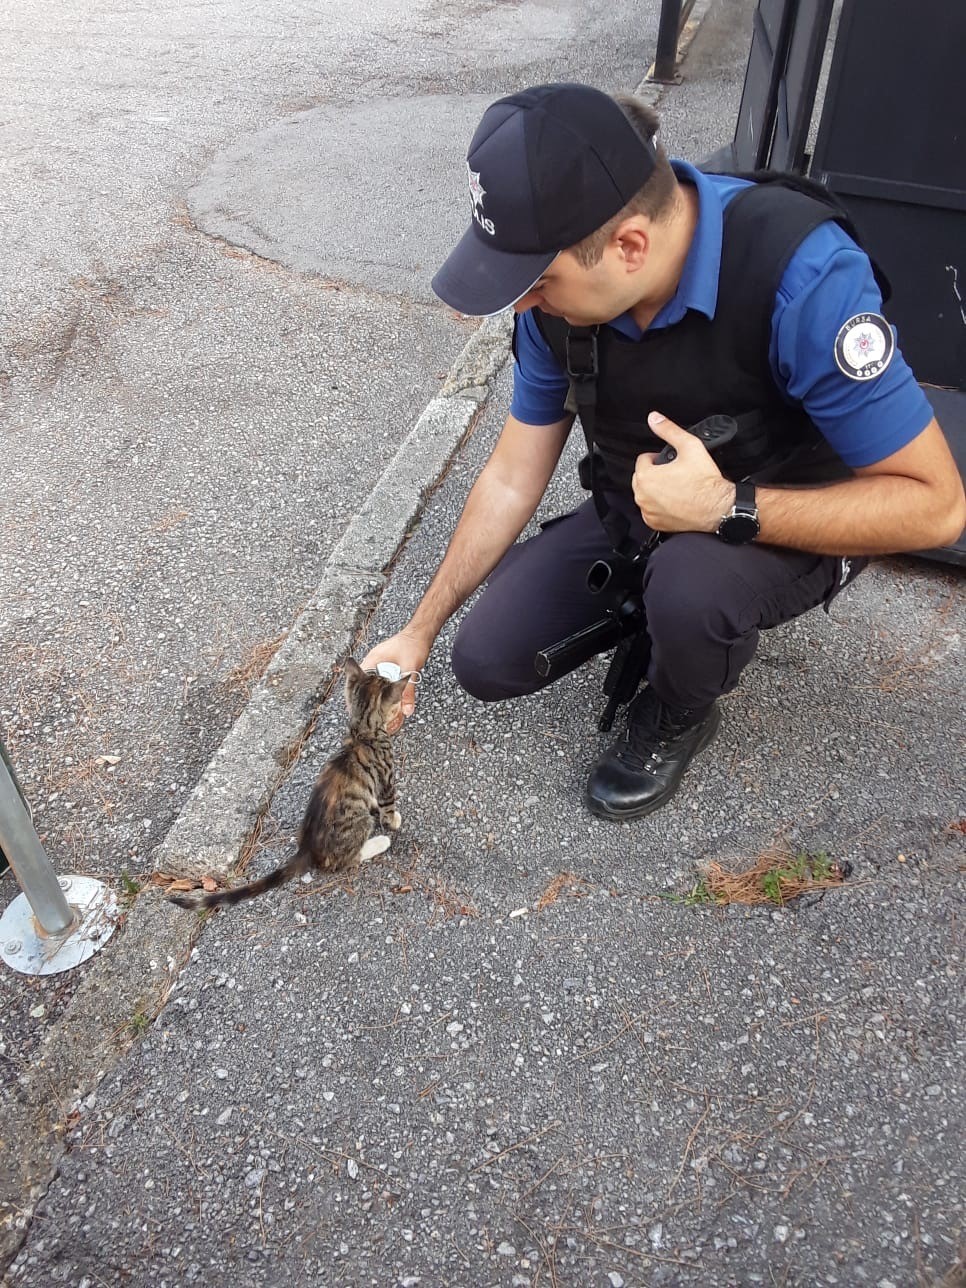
{"x": 293, "y": 868}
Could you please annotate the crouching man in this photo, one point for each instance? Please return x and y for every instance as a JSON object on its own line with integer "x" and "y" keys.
{"x": 649, "y": 297}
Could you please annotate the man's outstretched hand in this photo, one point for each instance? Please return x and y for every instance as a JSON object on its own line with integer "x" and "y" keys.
{"x": 409, "y": 653}
{"x": 688, "y": 494}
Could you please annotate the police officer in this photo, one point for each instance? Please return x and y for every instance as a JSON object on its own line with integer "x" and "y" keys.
{"x": 683, "y": 295}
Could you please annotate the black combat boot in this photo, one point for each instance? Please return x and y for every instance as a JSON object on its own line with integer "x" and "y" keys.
{"x": 642, "y": 770}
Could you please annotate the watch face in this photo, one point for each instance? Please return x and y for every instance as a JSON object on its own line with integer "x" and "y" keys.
{"x": 736, "y": 529}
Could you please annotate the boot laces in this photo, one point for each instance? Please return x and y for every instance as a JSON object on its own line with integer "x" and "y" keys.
{"x": 651, "y": 728}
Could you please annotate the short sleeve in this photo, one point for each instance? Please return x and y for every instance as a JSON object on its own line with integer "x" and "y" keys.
{"x": 540, "y": 384}
{"x": 829, "y": 283}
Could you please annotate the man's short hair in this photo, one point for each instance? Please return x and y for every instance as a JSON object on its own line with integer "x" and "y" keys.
{"x": 655, "y": 199}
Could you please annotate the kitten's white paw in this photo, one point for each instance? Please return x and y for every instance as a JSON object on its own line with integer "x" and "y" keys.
{"x": 395, "y": 820}
{"x": 375, "y": 845}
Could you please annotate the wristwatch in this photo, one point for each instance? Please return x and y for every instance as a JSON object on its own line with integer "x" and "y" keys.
{"x": 741, "y": 524}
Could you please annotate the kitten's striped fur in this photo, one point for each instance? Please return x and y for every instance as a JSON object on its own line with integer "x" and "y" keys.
{"x": 355, "y": 790}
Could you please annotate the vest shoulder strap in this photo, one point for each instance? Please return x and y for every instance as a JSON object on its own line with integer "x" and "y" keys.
{"x": 786, "y": 179}
{"x": 764, "y": 225}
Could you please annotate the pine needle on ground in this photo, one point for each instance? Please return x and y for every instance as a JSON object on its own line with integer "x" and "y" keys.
{"x": 777, "y": 876}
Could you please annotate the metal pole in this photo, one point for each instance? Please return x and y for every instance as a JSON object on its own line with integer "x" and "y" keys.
{"x": 669, "y": 29}
{"x": 30, "y": 864}
{"x": 4, "y": 865}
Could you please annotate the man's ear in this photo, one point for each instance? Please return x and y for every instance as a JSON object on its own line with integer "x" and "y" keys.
{"x": 633, "y": 241}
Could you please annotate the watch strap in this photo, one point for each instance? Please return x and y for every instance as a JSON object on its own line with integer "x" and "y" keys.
{"x": 745, "y": 499}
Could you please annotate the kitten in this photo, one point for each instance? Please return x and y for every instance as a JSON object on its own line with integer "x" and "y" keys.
{"x": 355, "y": 789}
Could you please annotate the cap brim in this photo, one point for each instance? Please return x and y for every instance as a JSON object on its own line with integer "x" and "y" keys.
{"x": 480, "y": 280}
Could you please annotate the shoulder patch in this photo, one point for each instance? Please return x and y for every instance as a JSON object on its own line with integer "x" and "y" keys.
{"x": 864, "y": 346}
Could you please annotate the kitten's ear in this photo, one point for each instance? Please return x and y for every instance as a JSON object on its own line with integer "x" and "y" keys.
{"x": 353, "y": 673}
{"x": 396, "y": 690}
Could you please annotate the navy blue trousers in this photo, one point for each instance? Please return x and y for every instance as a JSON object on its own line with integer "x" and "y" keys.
{"x": 705, "y": 602}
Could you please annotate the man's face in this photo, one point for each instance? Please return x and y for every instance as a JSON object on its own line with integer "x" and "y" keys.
{"x": 590, "y": 296}
{"x": 583, "y": 296}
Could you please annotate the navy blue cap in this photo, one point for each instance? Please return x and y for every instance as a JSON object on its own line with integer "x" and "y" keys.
{"x": 547, "y": 167}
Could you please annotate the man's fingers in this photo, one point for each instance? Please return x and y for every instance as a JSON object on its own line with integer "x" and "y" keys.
{"x": 409, "y": 699}
{"x": 671, "y": 433}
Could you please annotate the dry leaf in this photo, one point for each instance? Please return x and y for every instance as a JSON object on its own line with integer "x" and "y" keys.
{"x": 563, "y": 883}
{"x": 175, "y": 885}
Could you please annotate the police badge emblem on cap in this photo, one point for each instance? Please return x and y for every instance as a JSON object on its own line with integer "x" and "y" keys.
{"x": 864, "y": 346}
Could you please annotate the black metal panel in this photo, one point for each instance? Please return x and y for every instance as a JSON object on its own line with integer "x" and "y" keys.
{"x": 894, "y": 107}
{"x": 923, "y": 253}
{"x": 784, "y": 62}
{"x": 916, "y": 194}
{"x": 892, "y": 144}
{"x": 756, "y": 115}
{"x": 797, "y": 85}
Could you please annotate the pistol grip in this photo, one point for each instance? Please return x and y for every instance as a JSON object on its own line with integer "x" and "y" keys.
{"x": 713, "y": 431}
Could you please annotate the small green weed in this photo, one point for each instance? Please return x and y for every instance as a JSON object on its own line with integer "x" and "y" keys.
{"x": 140, "y": 1023}
{"x": 776, "y": 877}
{"x": 822, "y": 867}
{"x": 130, "y": 886}
{"x": 698, "y": 894}
{"x": 804, "y": 869}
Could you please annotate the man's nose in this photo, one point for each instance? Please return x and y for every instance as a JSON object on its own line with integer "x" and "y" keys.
{"x": 527, "y": 301}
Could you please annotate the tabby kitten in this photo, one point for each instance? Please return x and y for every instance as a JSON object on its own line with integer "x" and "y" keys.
{"x": 355, "y": 789}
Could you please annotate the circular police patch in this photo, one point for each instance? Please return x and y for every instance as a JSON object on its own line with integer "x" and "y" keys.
{"x": 864, "y": 346}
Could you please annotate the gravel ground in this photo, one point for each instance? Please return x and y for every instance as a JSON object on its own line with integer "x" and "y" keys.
{"x": 374, "y": 1088}
{"x": 503, "y": 1054}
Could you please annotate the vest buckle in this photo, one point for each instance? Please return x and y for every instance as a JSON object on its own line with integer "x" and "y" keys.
{"x": 582, "y": 354}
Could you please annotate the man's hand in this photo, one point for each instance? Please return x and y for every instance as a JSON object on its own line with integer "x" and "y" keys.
{"x": 689, "y": 493}
{"x": 409, "y": 651}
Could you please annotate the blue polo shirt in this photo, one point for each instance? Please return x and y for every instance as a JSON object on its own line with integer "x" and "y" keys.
{"x": 828, "y": 281}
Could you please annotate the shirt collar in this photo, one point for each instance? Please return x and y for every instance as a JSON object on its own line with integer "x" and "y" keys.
{"x": 698, "y": 287}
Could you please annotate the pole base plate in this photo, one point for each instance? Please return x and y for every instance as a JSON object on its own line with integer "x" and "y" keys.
{"x": 27, "y": 949}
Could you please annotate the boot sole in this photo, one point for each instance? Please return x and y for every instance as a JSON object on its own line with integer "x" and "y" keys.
{"x": 600, "y": 810}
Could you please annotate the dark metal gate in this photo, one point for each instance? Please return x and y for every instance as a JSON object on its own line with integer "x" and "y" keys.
{"x": 891, "y": 144}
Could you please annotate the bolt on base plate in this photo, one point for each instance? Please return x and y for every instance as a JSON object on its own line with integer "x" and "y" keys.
{"x": 26, "y": 948}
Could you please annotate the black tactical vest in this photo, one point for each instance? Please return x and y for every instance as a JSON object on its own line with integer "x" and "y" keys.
{"x": 702, "y": 366}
